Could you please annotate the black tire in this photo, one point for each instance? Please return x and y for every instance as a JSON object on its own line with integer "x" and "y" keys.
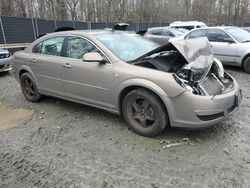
{"x": 29, "y": 88}
{"x": 247, "y": 65}
{"x": 144, "y": 112}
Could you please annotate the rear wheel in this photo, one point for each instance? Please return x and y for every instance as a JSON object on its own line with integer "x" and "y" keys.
{"x": 29, "y": 88}
{"x": 144, "y": 112}
{"x": 247, "y": 65}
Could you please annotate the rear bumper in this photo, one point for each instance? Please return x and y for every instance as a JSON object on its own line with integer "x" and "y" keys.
{"x": 5, "y": 64}
{"x": 196, "y": 112}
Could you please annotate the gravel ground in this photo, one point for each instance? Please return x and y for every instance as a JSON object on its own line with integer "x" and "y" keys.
{"x": 55, "y": 143}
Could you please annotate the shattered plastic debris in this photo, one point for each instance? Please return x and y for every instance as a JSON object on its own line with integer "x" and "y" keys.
{"x": 173, "y": 145}
{"x": 170, "y": 144}
{"x": 226, "y": 151}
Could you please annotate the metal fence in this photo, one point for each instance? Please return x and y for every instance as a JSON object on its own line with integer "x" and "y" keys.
{"x": 25, "y": 30}
{"x": 15, "y": 30}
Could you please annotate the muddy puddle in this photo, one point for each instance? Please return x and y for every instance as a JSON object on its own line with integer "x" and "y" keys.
{"x": 13, "y": 117}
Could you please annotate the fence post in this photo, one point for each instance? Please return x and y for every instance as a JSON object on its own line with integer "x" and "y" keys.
{"x": 1, "y": 23}
{"x": 89, "y": 25}
{"x": 137, "y": 26}
{"x": 37, "y": 29}
{"x": 55, "y": 24}
{"x": 34, "y": 29}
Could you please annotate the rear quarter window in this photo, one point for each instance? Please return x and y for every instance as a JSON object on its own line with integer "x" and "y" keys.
{"x": 37, "y": 48}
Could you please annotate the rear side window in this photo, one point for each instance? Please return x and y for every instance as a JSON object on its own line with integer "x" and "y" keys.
{"x": 188, "y": 27}
{"x": 156, "y": 32}
{"x": 196, "y": 34}
{"x": 52, "y": 46}
{"x": 37, "y": 48}
{"x": 77, "y": 47}
{"x": 216, "y": 35}
{"x": 167, "y": 33}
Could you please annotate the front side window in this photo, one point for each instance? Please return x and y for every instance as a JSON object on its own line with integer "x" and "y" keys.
{"x": 216, "y": 35}
{"x": 77, "y": 47}
{"x": 239, "y": 34}
{"x": 197, "y": 33}
{"x": 52, "y": 46}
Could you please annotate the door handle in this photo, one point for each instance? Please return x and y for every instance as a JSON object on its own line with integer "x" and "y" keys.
{"x": 33, "y": 60}
{"x": 67, "y": 65}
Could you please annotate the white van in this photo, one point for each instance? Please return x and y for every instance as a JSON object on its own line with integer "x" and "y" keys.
{"x": 188, "y": 24}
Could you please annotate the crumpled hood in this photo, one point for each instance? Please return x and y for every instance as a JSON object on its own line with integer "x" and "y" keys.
{"x": 197, "y": 52}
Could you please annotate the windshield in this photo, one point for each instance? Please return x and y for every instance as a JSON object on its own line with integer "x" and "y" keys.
{"x": 239, "y": 34}
{"x": 126, "y": 47}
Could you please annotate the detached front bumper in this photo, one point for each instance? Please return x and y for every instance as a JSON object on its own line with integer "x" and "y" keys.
{"x": 5, "y": 64}
{"x": 195, "y": 111}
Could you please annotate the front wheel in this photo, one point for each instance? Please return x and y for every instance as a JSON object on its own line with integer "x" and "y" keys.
{"x": 29, "y": 88}
{"x": 144, "y": 112}
{"x": 247, "y": 65}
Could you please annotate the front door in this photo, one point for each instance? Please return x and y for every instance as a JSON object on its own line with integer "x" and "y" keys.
{"x": 223, "y": 50}
{"x": 89, "y": 82}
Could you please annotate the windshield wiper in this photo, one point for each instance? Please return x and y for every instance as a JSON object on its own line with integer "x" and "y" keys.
{"x": 158, "y": 54}
{"x": 150, "y": 56}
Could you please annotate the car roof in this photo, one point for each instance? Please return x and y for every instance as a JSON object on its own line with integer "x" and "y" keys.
{"x": 89, "y": 32}
{"x": 186, "y": 23}
{"x": 217, "y": 27}
{"x": 163, "y": 27}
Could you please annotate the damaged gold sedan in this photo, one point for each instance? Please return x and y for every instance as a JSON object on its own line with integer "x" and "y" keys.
{"x": 179, "y": 84}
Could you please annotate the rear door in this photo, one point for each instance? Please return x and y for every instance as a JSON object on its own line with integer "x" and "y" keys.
{"x": 89, "y": 82}
{"x": 46, "y": 63}
{"x": 223, "y": 50}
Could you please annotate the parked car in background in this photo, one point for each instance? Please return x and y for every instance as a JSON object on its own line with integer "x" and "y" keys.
{"x": 151, "y": 86}
{"x": 160, "y": 35}
{"x": 187, "y": 24}
{"x": 231, "y": 45}
{"x": 183, "y": 30}
{"x": 246, "y": 28}
{"x": 5, "y": 60}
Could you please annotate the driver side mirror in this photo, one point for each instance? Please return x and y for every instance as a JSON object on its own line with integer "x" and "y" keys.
{"x": 229, "y": 40}
{"x": 94, "y": 57}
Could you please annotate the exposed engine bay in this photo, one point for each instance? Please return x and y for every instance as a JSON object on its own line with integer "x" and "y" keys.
{"x": 192, "y": 64}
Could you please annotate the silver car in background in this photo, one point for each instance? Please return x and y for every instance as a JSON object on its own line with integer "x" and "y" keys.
{"x": 161, "y": 35}
{"x": 152, "y": 86}
{"x": 231, "y": 45}
{"x": 5, "y": 60}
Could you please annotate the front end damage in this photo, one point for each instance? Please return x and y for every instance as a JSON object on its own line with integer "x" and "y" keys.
{"x": 210, "y": 95}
